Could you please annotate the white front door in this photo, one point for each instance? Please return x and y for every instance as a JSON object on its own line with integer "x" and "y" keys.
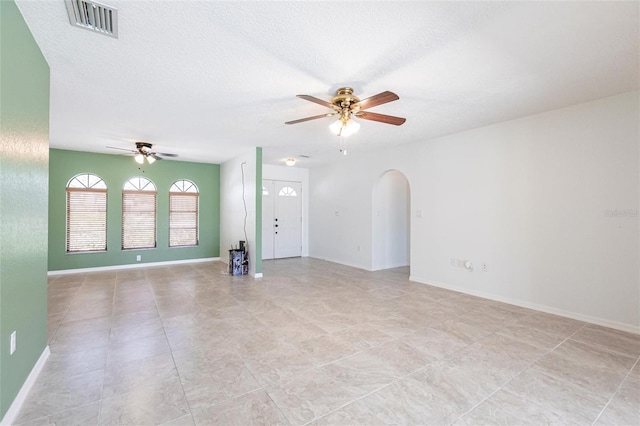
{"x": 281, "y": 219}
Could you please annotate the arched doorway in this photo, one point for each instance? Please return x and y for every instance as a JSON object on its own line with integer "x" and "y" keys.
{"x": 391, "y": 221}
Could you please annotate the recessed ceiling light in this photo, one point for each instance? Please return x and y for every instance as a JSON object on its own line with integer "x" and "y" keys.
{"x": 290, "y": 161}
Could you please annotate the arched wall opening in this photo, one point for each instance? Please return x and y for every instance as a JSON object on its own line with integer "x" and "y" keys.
{"x": 391, "y": 221}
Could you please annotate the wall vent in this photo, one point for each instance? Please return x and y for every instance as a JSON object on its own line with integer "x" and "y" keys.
{"x": 93, "y": 16}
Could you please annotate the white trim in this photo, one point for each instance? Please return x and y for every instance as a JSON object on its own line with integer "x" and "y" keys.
{"x": 629, "y": 328}
{"x": 257, "y": 275}
{"x": 340, "y": 262}
{"x": 11, "y": 414}
{"x": 131, "y": 266}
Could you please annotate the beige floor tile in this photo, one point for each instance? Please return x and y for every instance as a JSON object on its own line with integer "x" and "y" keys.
{"x": 209, "y": 379}
{"x": 80, "y": 416}
{"x": 141, "y": 330}
{"x": 80, "y": 341}
{"x": 50, "y": 397}
{"x": 570, "y": 402}
{"x": 152, "y": 404}
{"x": 394, "y": 358}
{"x": 137, "y": 349}
{"x": 324, "y": 349}
{"x": 68, "y": 328}
{"x": 554, "y": 324}
{"x": 280, "y": 365}
{"x": 186, "y": 420}
{"x": 134, "y": 318}
{"x": 533, "y": 336}
{"x": 407, "y": 401}
{"x": 254, "y": 408}
{"x": 619, "y": 341}
{"x": 504, "y": 408}
{"x": 66, "y": 364}
{"x": 310, "y": 396}
{"x": 128, "y": 377}
{"x": 590, "y": 367}
{"x": 624, "y": 408}
{"x": 363, "y": 336}
{"x": 318, "y": 342}
{"x": 433, "y": 344}
{"x": 466, "y": 330}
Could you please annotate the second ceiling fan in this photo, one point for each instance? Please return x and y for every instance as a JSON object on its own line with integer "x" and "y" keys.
{"x": 346, "y": 105}
{"x": 144, "y": 151}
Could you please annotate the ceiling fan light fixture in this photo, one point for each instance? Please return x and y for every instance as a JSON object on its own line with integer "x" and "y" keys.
{"x": 342, "y": 127}
{"x": 290, "y": 161}
{"x": 336, "y": 127}
{"x": 139, "y": 158}
{"x": 351, "y": 127}
{"x": 151, "y": 159}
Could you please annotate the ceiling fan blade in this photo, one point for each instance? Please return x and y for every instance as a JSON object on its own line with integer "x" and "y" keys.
{"x": 155, "y": 156}
{"x": 319, "y": 101}
{"x": 375, "y": 100}
{"x": 122, "y": 149}
{"x": 382, "y": 118}
{"x": 315, "y": 117}
{"x": 165, "y": 154}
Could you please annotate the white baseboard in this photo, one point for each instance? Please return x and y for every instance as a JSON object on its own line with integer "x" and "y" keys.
{"x": 131, "y": 266}
{"x": 629, "y": 328}
{"x": 340, "y": 262}
{"x": 11, "y": 414}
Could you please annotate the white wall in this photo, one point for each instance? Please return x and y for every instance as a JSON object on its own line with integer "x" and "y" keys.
{"x": 531, "y": 198}
{"x": 390, "y": 230}
{"x": 232, "y": 211}
{"x": 294, "y": 174}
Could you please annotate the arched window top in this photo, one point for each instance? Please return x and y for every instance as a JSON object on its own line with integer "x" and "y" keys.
{"x": 86, "y": 180}
{"x": 184, "y": 186}
{"x": 265, "y": 191}
{"x": 139, "y": 183}
{"x": 287, "y": 191}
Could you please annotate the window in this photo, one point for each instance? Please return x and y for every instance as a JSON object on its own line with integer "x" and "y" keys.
{"x": 86, "y": 214}
{"x": 287, "y": 191}
{"x": 183, "y": 214}
{"x": 138, "y": 214}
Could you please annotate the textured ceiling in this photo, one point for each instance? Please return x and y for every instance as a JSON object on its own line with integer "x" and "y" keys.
{"x": 208, "y": 80}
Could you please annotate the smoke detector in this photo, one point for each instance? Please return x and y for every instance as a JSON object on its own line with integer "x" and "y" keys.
{"x": 93, "y": 16}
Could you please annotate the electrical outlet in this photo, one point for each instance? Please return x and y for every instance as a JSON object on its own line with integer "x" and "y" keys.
{"x": 13, "y": 343}
{"x": 138, "y": 258}
{"x": 484, "y": 267}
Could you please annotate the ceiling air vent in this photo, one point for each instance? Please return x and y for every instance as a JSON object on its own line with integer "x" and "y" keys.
{"x": 93, "y": 16}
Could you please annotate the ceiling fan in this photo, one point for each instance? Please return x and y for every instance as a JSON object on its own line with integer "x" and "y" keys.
{"x": 143, "y": 151}
{"x": 346, "y": 105}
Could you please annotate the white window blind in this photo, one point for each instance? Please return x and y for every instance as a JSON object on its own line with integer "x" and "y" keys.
{"x": 138, "y": 214}
{"x": 183, "y": 214}
{"x": 86, "y": 214}
{"x": 86, "y": 219}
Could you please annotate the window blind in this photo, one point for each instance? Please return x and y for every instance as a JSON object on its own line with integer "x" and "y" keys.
{"x": 183, "y": 219}
{"x": 138, "y": 219}
{"x": 86, "y": 219}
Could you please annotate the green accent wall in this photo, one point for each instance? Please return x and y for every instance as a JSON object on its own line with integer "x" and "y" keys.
{"x": 24, "y": 153}
{"x": 258, "y": 210}
{"x": 115, "y": 170}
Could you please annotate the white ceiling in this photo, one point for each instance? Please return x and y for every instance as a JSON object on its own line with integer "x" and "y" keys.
{"x": 208, "y": 80}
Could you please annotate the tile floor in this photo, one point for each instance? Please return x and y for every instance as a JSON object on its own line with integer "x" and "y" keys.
{"x": 318, "y": 343}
